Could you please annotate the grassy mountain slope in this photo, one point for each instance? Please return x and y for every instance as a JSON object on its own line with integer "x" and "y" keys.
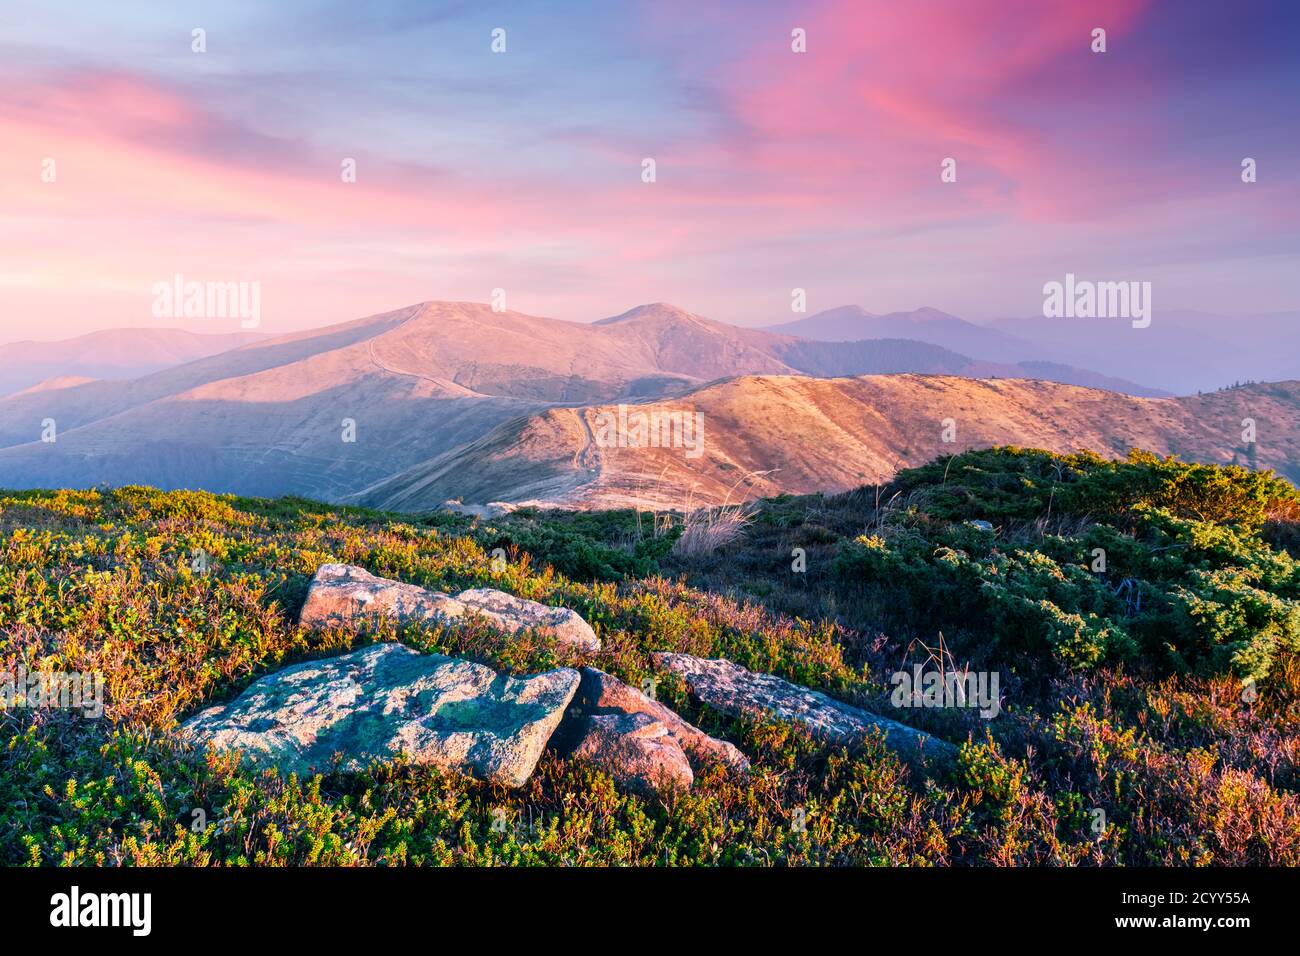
{"x": 764, "y": 435}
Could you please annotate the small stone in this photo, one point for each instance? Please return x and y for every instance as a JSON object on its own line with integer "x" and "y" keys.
{"x": 639, "y": 742}
{"x": 603, "y": 693}
{"x": 493, "y": 509}
{"x": 637, "y": 751}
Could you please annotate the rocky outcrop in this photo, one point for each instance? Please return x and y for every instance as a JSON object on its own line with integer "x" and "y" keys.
{"x": 493, "y": 509}
{"x": 515, "y": 614}
{"x": 637, "y": 751}
{"x": 732, "y": 689}
{"x": 638, "y": 741}
{"x": 345, "y": 594}
{"x": 603, "y": 693}
{"x": 387, "y": 700}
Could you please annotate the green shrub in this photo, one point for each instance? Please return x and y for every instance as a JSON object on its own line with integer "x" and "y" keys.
{"x": 1188, "y": 583}
{"x": 607, "y": 546}
{"x": 1003, "y": 483}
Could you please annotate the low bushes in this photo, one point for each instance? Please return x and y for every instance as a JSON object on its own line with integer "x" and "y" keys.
{"x": 1148, "y": 562}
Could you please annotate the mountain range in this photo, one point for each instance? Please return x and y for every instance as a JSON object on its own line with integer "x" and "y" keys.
{"x": 851, "y": 322}
{"x": 451, "y": 399}
{"x": 1180, "y": 353}
{"x": 111, "y": 354}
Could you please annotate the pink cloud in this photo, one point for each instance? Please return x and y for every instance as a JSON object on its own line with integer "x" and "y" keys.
{"x": 889, "y": 89}
{"x": 813, "y": 162}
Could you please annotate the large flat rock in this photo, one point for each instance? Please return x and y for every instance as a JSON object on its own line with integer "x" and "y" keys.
{"x": 387, "y": 700}
{"x": 734, "y": 690}
{"x": 348, "y": 595}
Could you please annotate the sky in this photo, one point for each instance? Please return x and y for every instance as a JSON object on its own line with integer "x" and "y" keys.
{"x": 522, "y": 170}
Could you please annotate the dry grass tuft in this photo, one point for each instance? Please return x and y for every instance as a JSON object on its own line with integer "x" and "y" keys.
{"x": 705, "y": 530}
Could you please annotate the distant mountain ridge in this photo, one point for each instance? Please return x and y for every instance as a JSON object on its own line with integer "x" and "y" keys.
{"x": 851, "y": 322}
{"x": 329, "y": 412}
{"x": 111, "y": 354}
{"x": 1197, "y": 351}
{"x": 898, "y": 356}
{"x": 1194, "y": 351}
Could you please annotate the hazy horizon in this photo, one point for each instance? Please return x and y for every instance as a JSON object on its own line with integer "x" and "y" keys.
{"x": 268, "y": 330}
